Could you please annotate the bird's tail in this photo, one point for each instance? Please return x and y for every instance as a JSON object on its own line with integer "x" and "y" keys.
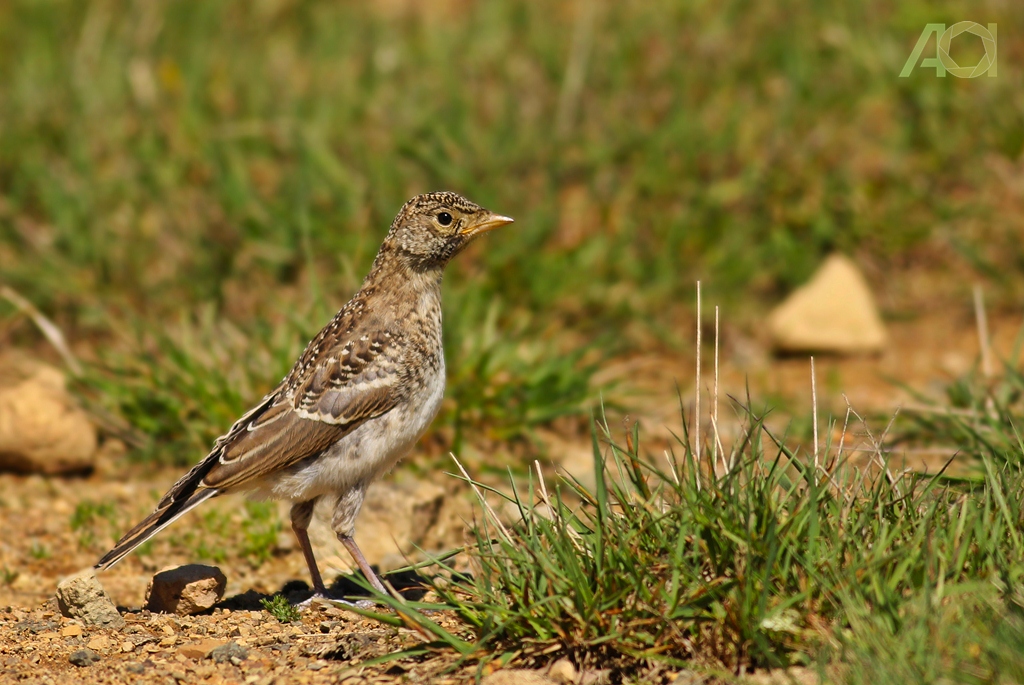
{"x": 167, "y": 512}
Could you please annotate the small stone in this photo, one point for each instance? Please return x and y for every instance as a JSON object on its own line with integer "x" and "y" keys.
{"x": 317, "y": 665}
{"x": 81, "y": 596}
{"x": 84, "y": 657}
{"x": 562, "y": 671}
{"x": 186, "y": 590}
{"x": 231, "y": 652}
{"x": 833, "y": 312}
{"x": 201, "y": 649}
{"x": 135, "y": 668}
{"x": 517, "y": 676}
{"x": 33, "y": 626}
{"x": 73, "y": 630}
{"x": 100, "y": 643}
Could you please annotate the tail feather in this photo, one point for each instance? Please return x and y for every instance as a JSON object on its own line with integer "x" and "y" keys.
{"x": 154, "y": 523}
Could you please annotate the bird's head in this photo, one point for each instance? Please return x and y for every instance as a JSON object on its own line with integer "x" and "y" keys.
{"x": 432, "y": 228}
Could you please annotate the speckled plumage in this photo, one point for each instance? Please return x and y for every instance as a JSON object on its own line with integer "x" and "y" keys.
{"x": 361, "y": 394}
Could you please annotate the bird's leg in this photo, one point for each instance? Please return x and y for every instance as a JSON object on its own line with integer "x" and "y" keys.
{"x": 302, "y": 514}
{"x": 364, "y": 566}
{"x": 343, "y": 523}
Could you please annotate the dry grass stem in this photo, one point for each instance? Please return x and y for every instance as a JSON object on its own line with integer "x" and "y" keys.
{"x": 49, "y": 329}
{"x": 696, "y": 390}
{"x": 814, "y": 416}
{"x": 483, "y": 500}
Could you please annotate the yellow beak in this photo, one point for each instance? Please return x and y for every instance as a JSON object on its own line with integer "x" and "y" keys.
{"x": 488, "y": 223}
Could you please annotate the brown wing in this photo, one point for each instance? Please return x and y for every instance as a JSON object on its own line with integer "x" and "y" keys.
{"x": 327, "y": 395}
{"x": 356, "y": 382}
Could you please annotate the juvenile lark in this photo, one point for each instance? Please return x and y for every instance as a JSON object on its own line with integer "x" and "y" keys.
{"x": 363, "y": 391}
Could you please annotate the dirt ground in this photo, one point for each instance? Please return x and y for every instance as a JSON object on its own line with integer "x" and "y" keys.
{"x": 40, "y": 545}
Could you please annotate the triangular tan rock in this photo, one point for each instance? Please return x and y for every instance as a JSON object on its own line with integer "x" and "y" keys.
{"x": 833, "y": 312}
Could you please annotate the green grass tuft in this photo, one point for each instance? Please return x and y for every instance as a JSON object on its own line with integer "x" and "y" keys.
{"x": 280, "y": 608}
{"x": 769, "y": 565}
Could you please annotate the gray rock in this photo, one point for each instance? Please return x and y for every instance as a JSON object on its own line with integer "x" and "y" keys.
{"x": 84, "y": 657}
{"x": 185, "y": 590}
{"x": 81, "y": 596}
{"x": 231, "y": 652}
{"x": 35, "y": 627}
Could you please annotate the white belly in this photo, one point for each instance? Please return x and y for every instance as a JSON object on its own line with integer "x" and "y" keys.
{"x": 361, "y": 456}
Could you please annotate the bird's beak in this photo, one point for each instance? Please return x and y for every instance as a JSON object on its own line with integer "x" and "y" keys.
{"x": 487, "y": 223}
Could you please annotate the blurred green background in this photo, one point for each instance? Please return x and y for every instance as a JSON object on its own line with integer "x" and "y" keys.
{"x": 191, "y": 189}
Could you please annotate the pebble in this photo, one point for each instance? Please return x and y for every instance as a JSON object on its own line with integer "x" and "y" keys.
{"x": 84, "y": 657}
{"x": 231, "y": 652}
{"x": 81, "y": 596}
{"x": 73, "y": 630}
{"x": 100, "y": 643}
{"x": 186, "y": 590}
{"x": 201, "y": 649}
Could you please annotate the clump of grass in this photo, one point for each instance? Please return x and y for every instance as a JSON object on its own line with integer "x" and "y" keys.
{"x": 39, "y": 551}
{"x": 280, "y": 608}
{"x": 770, "y": 564}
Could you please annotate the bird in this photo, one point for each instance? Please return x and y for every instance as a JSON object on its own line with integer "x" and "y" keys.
{"x": 364, "y": 390}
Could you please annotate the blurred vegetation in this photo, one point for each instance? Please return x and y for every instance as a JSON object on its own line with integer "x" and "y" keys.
{"x": 191, "y": 189}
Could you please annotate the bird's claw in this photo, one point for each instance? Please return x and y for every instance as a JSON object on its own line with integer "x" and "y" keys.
{"x": 307, "y": 604}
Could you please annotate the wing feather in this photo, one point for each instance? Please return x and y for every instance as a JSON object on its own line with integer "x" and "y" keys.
{"x": 360, "y": 382}
{"x": 331, "y": 390}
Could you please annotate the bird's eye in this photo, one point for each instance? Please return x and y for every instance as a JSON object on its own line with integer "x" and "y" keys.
{"x": 444, "y": 218}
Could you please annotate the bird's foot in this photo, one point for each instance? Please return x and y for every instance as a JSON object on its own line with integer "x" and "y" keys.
{"x": 336, "y": 601}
